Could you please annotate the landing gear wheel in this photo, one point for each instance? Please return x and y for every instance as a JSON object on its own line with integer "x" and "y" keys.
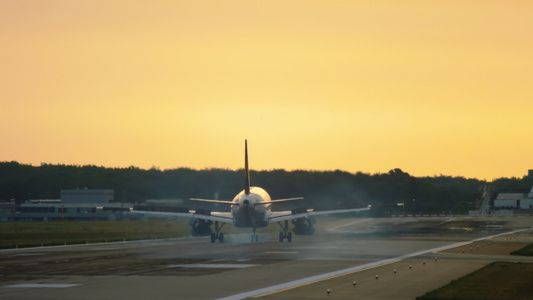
{"x": 217, "y": 235}
{"x": 285, "y": 234}
{"x": 255, "y": 238}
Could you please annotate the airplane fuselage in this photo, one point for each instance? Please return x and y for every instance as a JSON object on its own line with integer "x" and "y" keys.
{"x": 249, "y": 209}
{"x": 248, "y": 212}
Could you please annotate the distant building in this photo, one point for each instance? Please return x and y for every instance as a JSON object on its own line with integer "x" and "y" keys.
{"x": 509, "y": 200}
{"x": 86, "y": 196}
{"x": 7, "y": 206}
{"x": 73, "y": 205}
{"x": 514, "y": 201}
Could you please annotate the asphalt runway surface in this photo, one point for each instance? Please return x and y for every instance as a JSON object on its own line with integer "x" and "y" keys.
{"x": 425, "y": 252}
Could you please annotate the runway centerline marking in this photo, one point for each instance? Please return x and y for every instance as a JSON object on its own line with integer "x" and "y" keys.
{"x": 42, "y": 285}
{"x": 214, "y": 266}
{"x": 321, "y": 277}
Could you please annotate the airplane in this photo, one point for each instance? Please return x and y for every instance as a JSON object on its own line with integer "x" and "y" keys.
{"x": 251, "y": 208}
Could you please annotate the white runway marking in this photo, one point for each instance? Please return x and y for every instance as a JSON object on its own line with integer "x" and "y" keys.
{"x": 214, "y": 266}
{"x": 42, "y": 285}
{"x": 104, "y": 249}
{"x": 324, "y": 276}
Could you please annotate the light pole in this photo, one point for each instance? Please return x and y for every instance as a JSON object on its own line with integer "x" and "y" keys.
{"x": 402, "y": 204}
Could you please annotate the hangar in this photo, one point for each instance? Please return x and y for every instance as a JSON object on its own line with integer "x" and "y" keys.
{"x": 514, "y": 200}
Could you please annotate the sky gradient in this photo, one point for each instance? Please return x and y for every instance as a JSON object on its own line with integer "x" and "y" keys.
{"x": 431, "y": 87}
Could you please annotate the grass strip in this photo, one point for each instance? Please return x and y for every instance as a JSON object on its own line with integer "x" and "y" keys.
{"x": 30, "y": 234}
{"x": 496, "y": 281}
{"x": 526, "y": 251}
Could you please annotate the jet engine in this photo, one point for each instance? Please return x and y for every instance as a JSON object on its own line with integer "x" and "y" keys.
{"x": 303, "y": 226}
{"x": 200, "y": 227}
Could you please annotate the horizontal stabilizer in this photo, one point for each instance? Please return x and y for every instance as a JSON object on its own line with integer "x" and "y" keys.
{"x": 213, "y": 201}
{"x": 280, "y": 200}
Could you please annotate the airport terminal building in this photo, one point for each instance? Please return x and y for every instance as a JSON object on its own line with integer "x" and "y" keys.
{"x": 79, "y": 204}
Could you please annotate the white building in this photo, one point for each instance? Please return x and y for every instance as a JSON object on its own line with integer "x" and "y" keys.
{"x": 514, "y": 201}
{"x": 73, "y": 205}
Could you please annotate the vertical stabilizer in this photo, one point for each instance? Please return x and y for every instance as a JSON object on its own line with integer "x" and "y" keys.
{"x": 246, "y": 171}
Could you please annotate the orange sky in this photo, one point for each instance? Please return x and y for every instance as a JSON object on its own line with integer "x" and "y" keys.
{"x": 431, "y": 87}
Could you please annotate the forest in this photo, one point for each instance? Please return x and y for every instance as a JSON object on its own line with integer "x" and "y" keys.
{"x": 320, "y": 189}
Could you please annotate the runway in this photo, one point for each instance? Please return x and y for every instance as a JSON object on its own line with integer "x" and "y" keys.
{"x": 343, "y": 250}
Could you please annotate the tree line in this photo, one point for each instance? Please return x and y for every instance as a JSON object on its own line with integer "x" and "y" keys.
{"x": 320, "y": 189}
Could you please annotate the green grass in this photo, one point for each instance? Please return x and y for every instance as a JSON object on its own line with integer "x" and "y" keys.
{"x": 497, "y": 281}
{"x": 29, "y": 234}
{"x": 526, "y": 251}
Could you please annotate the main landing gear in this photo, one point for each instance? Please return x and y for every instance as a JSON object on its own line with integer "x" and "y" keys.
{"x": 217, "y": 235}
{"x": 285, "y": 234}
{"x": 255, "y": 238}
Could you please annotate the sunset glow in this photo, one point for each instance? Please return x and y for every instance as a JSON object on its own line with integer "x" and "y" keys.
{"x": 431, "y": 87}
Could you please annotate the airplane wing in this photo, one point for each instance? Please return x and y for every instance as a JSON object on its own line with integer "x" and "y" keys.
{"x": 225, "y": 217}
{"x": 289, "y": 215}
